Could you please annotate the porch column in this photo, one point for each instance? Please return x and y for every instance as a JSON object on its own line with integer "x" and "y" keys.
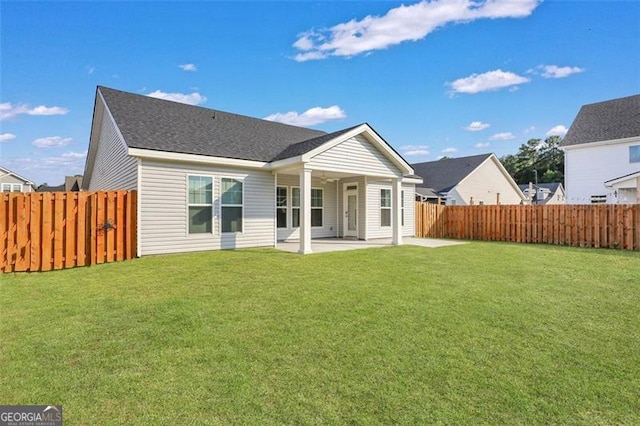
{"x": 305, "y": 211}
{"x": 396, "y": 209}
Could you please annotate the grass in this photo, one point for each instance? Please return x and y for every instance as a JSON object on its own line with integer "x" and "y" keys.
{"x": 483, "y": 333}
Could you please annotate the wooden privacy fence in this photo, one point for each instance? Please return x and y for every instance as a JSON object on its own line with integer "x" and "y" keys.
{"x": 592, "y": 225}
{"x": 41, "y": 231}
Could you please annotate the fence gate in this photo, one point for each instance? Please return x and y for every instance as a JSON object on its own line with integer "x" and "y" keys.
{"x": 42, "y": 231}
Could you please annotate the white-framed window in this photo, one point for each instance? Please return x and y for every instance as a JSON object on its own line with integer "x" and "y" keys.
{"x": 317, "y": 207}
{"x": 598, "y": 199}
{"x": 200, "y": 204}
{"x": 402, "y": 206}
{"x": 295, "y": 207}
{"x": 281, "y": 206}
{"x": 634, "y": 154}
{"x": 11, "y": 187}
{"x": 231, "y": 204}
{"x": 385, "y": 207}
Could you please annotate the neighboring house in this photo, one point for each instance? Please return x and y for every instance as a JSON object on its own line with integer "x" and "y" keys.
{"x": 478, "y": 179}
{"x": 13, "y": 182}
{"x": 71, "y": 184}
{"x": 602, "y": 153}
{"x": 544, "y": 193}
{"x": 209, "y": 179}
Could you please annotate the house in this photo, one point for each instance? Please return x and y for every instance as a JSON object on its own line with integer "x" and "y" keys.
{"x": 209, "y": 179}
{"x": 71, "y": 184}
{"x": 478, "y": 179}
{"x": 544, "y": 193}
{"x": 602, "y": 153}
{"x": 13, "y": 182}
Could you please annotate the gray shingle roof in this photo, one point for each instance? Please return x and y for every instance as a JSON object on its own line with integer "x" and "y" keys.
{"x": 604, "y": 121}
{"x": 442, "y": 175}
{"x": 162, "y": 125}
{"x": 552, "y": 187}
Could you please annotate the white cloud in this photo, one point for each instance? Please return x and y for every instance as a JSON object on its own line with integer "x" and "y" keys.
{"x": 400, "y": 24}
{"x": 194, "y": 98}
{"x": 558, "y": 130}
{"x": 68, "y": 159}
{"x": 529, "y": 129}
{"x": 188, "y": 67}
{"x": 554, "y": 71}
{"x": 310, "y": 117}
{"x": 8, "y": 110}
{"x": 50, "y": 169}
{"x": 476, "y": 126}
{"x": 44, "y": 110}
{"x": 449, "y": 150}
{"x": 4, "y": 137}
{"x": 90, "y": 69}
{"x": 480, "y": 145}
{"x": 488, "y": 81}
{"x": 51, "y": 142}
{"x": 505, "y": 136}
{"x": 415, "y": 150}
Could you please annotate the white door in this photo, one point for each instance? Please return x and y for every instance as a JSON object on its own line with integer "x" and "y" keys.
{"x": 350, "y": 204}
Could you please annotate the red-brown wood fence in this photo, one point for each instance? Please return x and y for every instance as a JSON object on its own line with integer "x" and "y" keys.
{"x": 591, "y": 225}
{"x": 42, "y": 231}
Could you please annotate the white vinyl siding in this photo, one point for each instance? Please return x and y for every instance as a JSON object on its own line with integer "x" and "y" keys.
{"x": 329, "y": 220}
{"x": 483, "y": 185}
{"x": 113, "y": 168}
{"x": 12, "y": 180}
{"x": 374, "y": 228}
{"x": 409, "y": 197}
{"x": 164, "y": 210}
{"x": 356, "y": 155}
{"x": 588, "y": 167}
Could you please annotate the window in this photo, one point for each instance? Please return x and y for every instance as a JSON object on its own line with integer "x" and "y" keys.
{"x": 200, "y": 204}
{"x": 281, "y": 206}
{"x": 385, "y": 207}
{"x": 295, "y": 207}
{"x": 402, "y": 206}
{"x": 634, "y": 154}
{"x": 598, "y": 199}
{"x": 11, "y": 187}
{"x": 231, "y": 204}
{"x": 317, "y": 206}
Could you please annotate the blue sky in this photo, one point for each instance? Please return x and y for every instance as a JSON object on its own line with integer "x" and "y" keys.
{"x": 434, "y": 78}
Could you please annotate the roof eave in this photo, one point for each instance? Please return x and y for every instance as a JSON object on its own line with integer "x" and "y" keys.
{"x": 631, "y": 139}
{"x": 196, "y": 158}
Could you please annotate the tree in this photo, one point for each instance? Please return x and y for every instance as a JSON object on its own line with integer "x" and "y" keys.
{"x": 536, "y": 160}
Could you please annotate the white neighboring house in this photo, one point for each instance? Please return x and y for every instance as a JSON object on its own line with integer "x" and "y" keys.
{"x": 478, "y": 179}
{"x": 602, "y": 153}
{"x": 13, "y": 182}
{"x": 209, "y": 179}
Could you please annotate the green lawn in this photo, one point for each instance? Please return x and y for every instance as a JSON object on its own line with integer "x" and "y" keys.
{"x": 482, "y": 333}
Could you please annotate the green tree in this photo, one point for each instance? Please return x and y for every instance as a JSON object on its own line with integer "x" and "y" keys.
{"x": 536, "y": 160}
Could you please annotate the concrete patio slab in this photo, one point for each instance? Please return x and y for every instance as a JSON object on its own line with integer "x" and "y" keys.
{"x": 324, "y": 245}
